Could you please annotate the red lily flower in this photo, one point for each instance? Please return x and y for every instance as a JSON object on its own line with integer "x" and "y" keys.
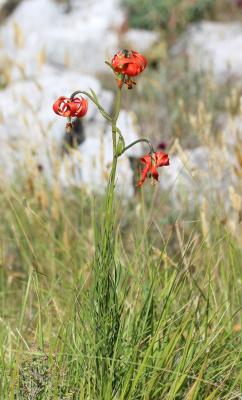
{"x": 152, "y": 162}
{"x": 66, "y": 107}
{"x": 79, "y": 107}
{"x": 128, "y": 63}
{"x": 62, "y": 106}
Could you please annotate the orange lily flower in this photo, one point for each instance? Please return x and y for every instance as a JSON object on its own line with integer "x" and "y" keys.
{"x": 66, "y": 107}
{"x": 126, "y": 64}
{"x": 152, "y": 162}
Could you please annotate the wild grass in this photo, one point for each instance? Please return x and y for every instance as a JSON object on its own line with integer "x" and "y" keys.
{"x": 179, "y": 299}
{"x": 173, "y": 16}
{"x": 171, "y": 329}
{"x": 167, "y": 14}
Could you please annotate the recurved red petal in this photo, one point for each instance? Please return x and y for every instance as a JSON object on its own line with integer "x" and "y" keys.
{"x": 129, "y": 62}
{"x": 152, "y": 162}
{"x": 146, "y": 159}
{"x": 78, "y": 107}
{"x": 154, "y": 172}
{"x": 83, "y": 109}
{"x": 161, "y": 159}
{"x": 144, "y": 174}
{"x": 132, "y": 69}
{"x": 62, "y": 106}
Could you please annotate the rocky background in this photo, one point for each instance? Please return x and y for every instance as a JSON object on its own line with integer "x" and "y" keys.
{"x": 189, "y": 100}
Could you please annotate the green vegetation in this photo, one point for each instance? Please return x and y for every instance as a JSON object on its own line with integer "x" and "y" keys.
{"x": 171, "y": 328}
{"x": 167, "y": 14}
{"x": 179, "y": 296}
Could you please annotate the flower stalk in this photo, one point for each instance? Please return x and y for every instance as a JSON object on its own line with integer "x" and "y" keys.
{"x": 125, "y": 65}
{"x": 152, "y": 151}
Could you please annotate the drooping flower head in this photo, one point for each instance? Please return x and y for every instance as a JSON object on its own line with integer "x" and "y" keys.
{"x": 152, "y": 162}
{"x": 126, "y": 64}
{"x": 129, "y": 62}
{"x": 70, "y": 107}
{"x": 66, "y": 107}
{"x": 79, "y": 107}
{"x": 62, "y": 106}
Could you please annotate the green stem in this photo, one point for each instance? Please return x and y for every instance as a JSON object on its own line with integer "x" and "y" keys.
{"x": 115, "y": 118}
{"x": 107, "y": 314}
{"x": 111, "y": 184}
{"x": 138, "y": 141}
{"x": 95, "y": 101}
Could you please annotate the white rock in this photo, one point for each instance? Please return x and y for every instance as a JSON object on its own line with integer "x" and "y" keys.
{"x": 208, "y": 178}
{"x": 27, "y": 118}
{"x": 128, "y": 125}
{"x": 90, "y": 165}
{"x": 140, "y": 39}
{"x": 197, "y": 174}
{"x": 232, "y": 131}
{"x": 231, "y": 149}
{"x": 213, "y": 47}
{"x": 47, "y": 52}
{"x": 31, "y": 133}
{"x": 179, "y": 176}
{"x": 39, "y": 32}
